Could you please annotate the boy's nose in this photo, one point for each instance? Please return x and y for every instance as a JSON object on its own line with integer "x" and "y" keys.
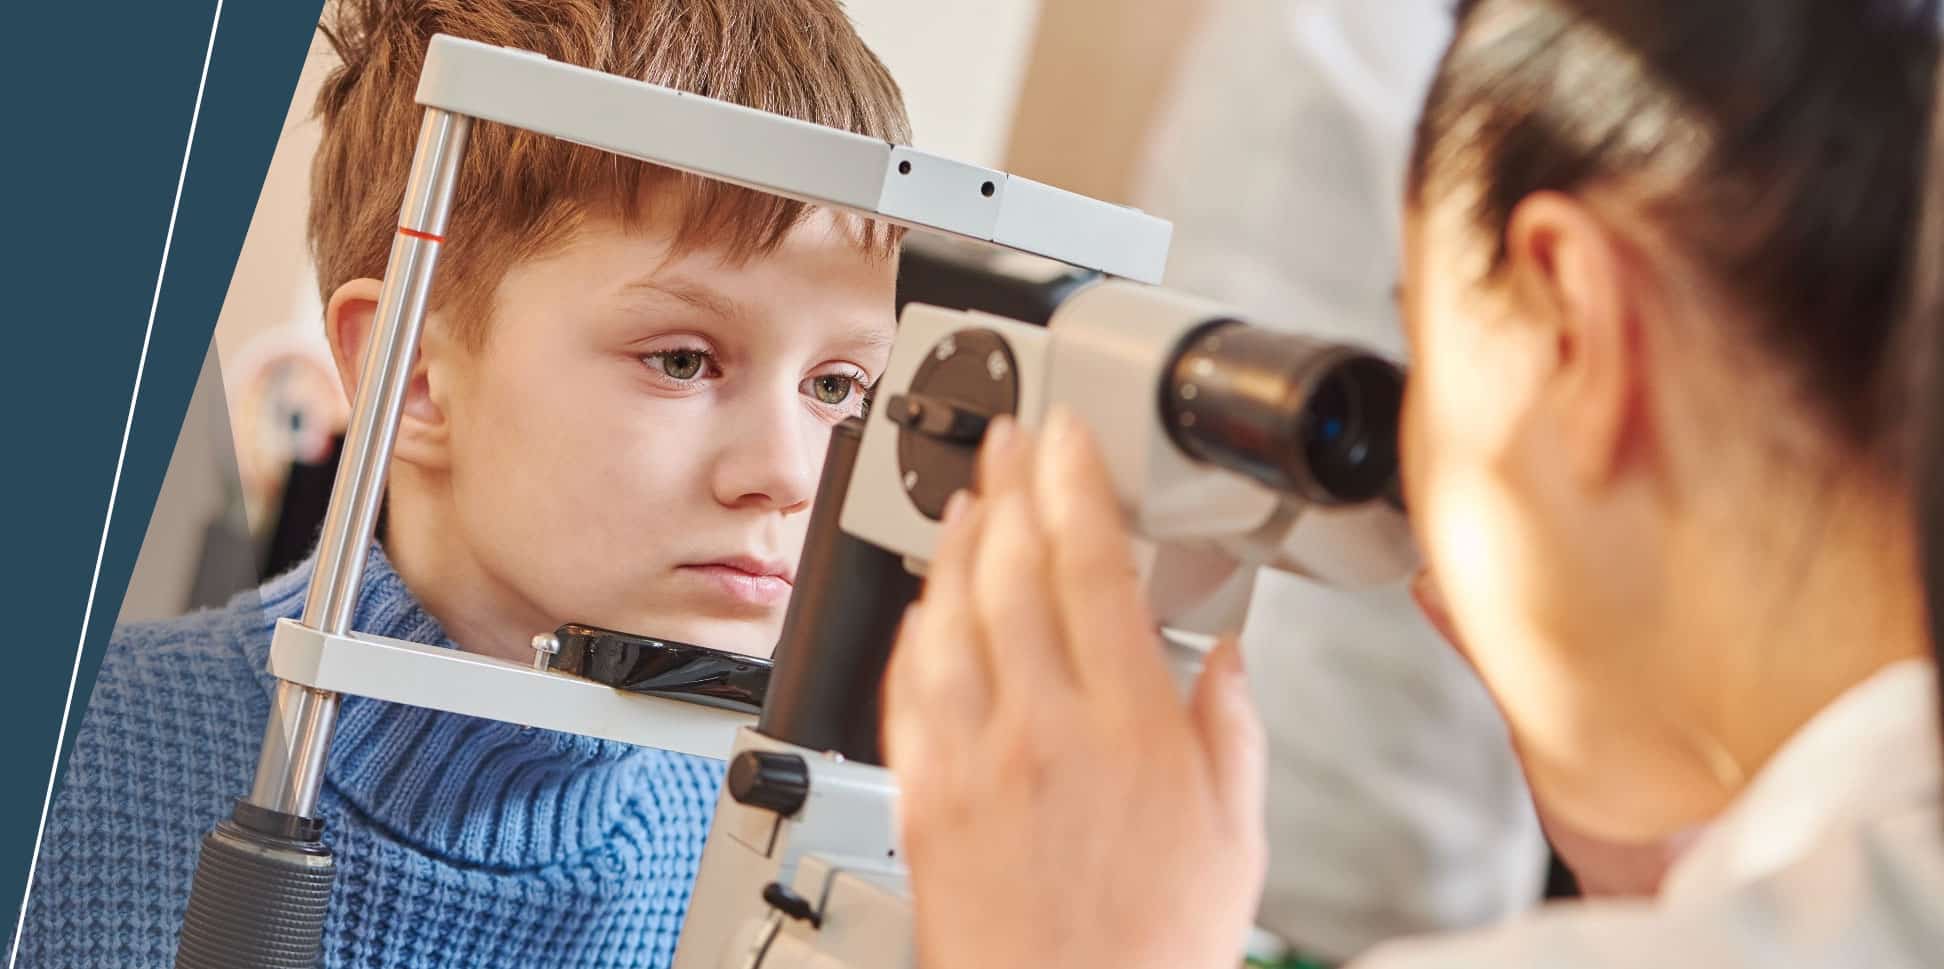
{"x": 769, "y": 461}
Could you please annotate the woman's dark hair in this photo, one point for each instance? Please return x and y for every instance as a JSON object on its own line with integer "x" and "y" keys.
{"x": 1924, "y": 348}
{"x": 1781, "y": 140}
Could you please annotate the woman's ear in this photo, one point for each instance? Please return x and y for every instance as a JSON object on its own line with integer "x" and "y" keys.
{"x": 1567, "y": 264}
{"x": 423, "y": 429}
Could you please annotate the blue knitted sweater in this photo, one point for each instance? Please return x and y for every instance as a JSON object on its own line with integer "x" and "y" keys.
{"x": 459, "y": 841}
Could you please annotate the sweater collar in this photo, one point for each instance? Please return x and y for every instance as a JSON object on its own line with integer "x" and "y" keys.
{"x": 472, "y": 790}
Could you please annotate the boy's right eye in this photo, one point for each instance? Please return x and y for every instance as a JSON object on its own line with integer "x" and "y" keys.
{"x": 684, "y": 364}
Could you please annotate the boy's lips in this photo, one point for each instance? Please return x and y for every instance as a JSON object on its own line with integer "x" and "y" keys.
{"x": 745, "y": 580}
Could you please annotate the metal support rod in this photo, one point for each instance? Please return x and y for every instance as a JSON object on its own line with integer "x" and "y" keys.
{"x": 297, "y": 740}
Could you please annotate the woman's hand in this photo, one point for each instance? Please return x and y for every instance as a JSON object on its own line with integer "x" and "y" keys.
{"x": 1062, "y": 804}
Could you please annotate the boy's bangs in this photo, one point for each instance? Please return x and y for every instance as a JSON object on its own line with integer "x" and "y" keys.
{"x": 745, "y": 222}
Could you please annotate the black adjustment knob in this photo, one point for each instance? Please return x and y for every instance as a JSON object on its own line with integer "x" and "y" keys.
{"x": 770, "y": 780}
{"x": 791, "y": 904}
{"x": 937, "y": 417}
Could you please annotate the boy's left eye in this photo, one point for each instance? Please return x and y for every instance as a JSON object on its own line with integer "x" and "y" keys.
{"x": 681, "y": 364}
{"x": 832, "y": 388}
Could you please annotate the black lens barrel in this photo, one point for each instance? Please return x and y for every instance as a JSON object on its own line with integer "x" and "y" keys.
{"x": 1302, "y": 416}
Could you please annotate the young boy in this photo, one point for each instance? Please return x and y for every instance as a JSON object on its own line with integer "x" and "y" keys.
{"x": 617, "y": 416}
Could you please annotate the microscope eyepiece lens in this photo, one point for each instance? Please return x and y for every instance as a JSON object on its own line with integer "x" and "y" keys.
{"x": 1302, "y": 416}
{"x": 1350, "y": 437}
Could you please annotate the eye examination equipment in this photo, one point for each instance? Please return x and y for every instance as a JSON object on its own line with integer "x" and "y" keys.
{"x": 656, "y": 667}
{"x": 1233, "y": 448}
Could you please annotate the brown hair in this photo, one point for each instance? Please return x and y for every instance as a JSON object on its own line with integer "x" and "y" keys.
{"x": 1924, "y": 349}
{"x": 1788, "y": 134}
{"x": 520, "y": 193}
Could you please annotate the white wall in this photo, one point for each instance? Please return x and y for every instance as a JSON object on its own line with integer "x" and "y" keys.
{"x": 960, "y": 64}
{"x": 198, "y": 486}
{"x": 273, "y": 284}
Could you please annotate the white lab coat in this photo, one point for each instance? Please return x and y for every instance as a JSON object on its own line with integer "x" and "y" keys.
{"x": 1833, "y": 858}
{"x": 1395, "y": 804}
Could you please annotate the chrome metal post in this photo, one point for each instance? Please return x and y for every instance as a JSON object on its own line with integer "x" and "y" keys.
{"x": 297, "y": 740}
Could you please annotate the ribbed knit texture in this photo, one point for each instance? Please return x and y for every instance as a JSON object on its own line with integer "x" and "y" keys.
{"x": 459, "y": 841}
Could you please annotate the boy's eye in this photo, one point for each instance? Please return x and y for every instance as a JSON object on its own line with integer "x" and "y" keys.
{"x": 832, "y": 388}
{"x": 679, "y": 364}
{"x": 846, "y": 388}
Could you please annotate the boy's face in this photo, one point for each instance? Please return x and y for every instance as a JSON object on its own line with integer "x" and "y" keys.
{"x": 638, "y": 441}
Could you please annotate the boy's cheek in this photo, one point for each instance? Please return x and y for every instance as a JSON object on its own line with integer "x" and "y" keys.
{"x": 569, "y": 471}
{"x": 586, "y": 493}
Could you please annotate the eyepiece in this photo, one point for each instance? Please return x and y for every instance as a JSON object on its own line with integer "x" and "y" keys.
{"x": 1313, "y": 419}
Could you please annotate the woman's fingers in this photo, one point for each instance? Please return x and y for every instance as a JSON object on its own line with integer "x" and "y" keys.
{"x": 1005, "y": 458}
{"x": 937, "y": 683}
{"x": 1110, "y": 638}
{"x": 1020, "y": 625}
{"x": 1035, "y": 590}
{"x": 1020, "y": 620}
{"x": 1231, "y": 735}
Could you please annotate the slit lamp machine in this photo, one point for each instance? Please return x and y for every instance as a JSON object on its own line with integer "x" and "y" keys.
{"x": 1233, "y": 447}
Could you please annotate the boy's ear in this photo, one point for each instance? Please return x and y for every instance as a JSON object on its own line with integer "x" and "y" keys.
{"x": 422, "y": 429}
{"x": 1567, "y": 265}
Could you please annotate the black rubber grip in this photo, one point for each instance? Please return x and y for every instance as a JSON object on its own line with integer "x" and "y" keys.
{"x": 258, "y": 902}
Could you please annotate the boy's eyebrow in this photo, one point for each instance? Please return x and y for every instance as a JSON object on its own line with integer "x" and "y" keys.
{"x": 863, "y": 337}
{"x": 869, "y": 338}
{"x": 700, "y": 297}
